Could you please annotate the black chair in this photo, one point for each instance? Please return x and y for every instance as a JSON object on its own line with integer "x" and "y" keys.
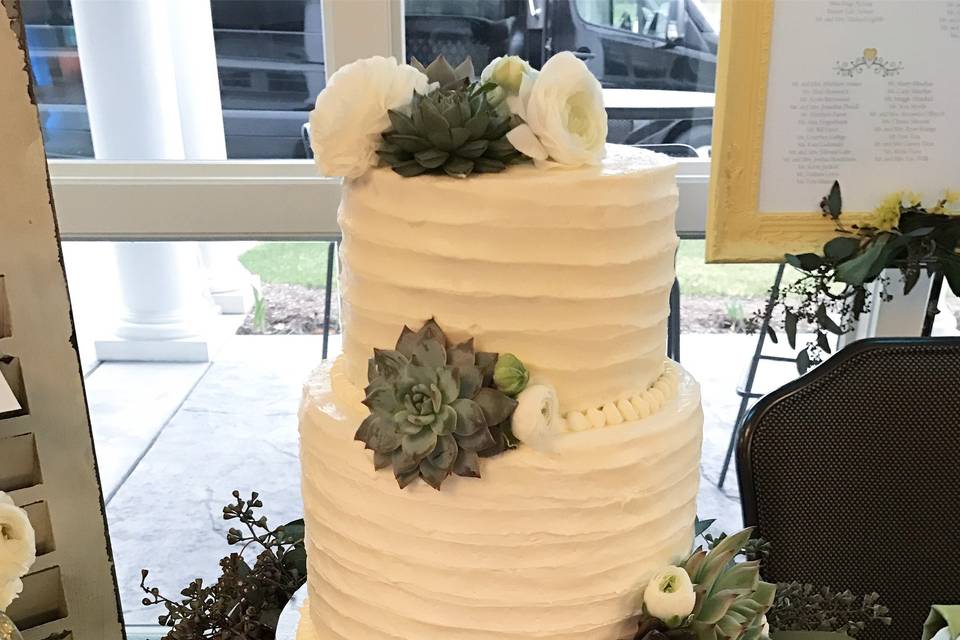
{"x": 852, "y": 473}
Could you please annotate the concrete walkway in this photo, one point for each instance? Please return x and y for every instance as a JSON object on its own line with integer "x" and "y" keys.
{"x": 173, "y": 441}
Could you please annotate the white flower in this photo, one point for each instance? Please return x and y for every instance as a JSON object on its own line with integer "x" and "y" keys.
{"x": 669, "y": 596}
{"x": 9, "y": 591}
{"x": 351, "y": 113}
{"x": 536, "y": 421}
{"x": 765, "y": 628}
{"x": 943, "y": 634}
{"x": 563, "y": 114}
{"x": 507, "y": 72}
{"x": 18, "y": 545}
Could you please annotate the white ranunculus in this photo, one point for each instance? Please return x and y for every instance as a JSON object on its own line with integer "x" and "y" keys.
{"x": 562, "y": 112}
{"x": 536, "y": 421}
{"x": 9, "y": 591}
{"x": 351, "y": 113}
{"x": 508, "y": 72}
{"x": 765, "y": 628}
{"x": 669, "y": 596}
{"x": 18, "y": 546}
{"x": 943, "y": 634}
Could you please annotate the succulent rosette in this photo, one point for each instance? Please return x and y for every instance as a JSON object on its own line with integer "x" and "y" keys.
{"x": 434, "y": 409}
{"x": 716, "y": 599}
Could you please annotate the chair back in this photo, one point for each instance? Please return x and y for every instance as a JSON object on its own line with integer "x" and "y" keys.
{"x": 852, "y": 473}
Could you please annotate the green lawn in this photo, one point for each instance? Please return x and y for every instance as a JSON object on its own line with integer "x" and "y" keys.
{"x": 305, "y": 263}
{"x": 734, "y": 280}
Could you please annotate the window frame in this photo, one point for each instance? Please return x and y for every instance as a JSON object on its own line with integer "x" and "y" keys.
{"x": 226, "y": 200}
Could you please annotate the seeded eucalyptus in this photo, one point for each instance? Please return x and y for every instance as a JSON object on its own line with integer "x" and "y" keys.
{"x": 453, "y": 129}
{"x": 434, "y": 409}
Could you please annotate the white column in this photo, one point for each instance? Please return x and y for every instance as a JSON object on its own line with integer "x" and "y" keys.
{"x": 190, "y": 26}
{"x": 354, "y": 30}
{"x": 132, "y": 102}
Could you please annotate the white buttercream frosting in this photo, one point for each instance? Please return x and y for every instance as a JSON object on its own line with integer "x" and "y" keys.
{"x": 570, "y": 269}
{"x": 551, "y": 545}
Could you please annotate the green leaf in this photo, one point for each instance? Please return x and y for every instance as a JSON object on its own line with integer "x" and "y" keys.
{"x": 699, "y": 526}
{"x": 402, "y": 124}
{"x": 470, "y": 417}
{"x": 442, "y": 139}
{"x": 446, "y": 421}
{"x": 473, "y": 149}
{"x": 432, "y": 331}
{"x": 419, "y": 444}
{"x": 432, "y": 158}
{"x": 381, "y": 460}
{"x": 409, "y": 169}
{"x": 496, "y": 405}
{"x": 803, "y": 361}
{"x": 859, "y": 302}
{"x": 478, "y": 441}
{"x": 448, "y": 380}
{"x": 432, "y": 474}
{"x": 467, "y": 464}
{"x": 429, "y": 353}
{"x": 951, "y": 271}
{"x": 381, "y": 396}
{"x": 488, "y": 165}
{"x": 402, "y": 463}
{"x": 292, "y": 532}
{"x": 409, "y": 143}
{"x": 445, "y": 454}
{"x": 823, "y": 342}
{"x": 404, "y": 478}
{"x": 389, "y": 363}
{"x": 804, "y": 261}
{"x": 459, "y": 136}
{"x": 741, "y": 578}
{"x": 772, "y": 335}
{"x": 471, "y": 381}
{"x": 790, "y": 327}
{"x": 384, "y": 436}
{"x": 407, "y": 341}
{"x": 714, "y": 608}
{"x": 462, "y": 355}
{"x": 458, "y": 167}
{"x": 453, "y": 115}
{"x": 834, "y": 201}
{"x": 826, "y": 322}
{"x": 841, "y": 248}
{"x": 477, "y": 124}
{"x": 866, "y": 266}
{"x": 487, "y": 362}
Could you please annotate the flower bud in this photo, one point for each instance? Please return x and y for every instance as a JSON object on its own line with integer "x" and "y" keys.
{"x": 669, "y": 596}
{"x": 509, "y": 374}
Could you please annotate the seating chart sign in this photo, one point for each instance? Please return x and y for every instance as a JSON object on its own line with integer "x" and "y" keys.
{"x": 811, "y": 91}
{"x": 878, "y": 109}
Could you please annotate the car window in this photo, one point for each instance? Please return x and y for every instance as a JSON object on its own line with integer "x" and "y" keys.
{"x": 647, "y": 17}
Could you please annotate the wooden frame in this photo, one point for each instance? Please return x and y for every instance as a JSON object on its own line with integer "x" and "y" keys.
{"x": 736, "y": 230}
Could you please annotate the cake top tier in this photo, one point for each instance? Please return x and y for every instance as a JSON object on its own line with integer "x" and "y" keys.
{"x": 624, "y": 176}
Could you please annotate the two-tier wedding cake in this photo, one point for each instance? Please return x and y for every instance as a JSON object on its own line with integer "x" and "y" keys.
{"x": 502, "y": 451}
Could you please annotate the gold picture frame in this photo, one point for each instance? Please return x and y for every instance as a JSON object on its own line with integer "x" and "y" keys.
{"x": 736, "y": 230}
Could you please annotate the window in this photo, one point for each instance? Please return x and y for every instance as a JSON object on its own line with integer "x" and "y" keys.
{"x": 639, "y": 45}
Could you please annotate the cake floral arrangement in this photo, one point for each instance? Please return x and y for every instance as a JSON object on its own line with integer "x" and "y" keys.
{"x": 440, "y": 120}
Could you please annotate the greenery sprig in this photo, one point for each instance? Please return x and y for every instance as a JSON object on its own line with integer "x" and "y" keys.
{"x": 246, "y": 600}
{"x": 804, "y": 607}
{"x": 452, "y": 130}
{"x": 902, "y": 234}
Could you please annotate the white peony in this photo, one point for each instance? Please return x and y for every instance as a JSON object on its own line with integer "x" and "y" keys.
{"x": 351, "y": 113}
{"x": 669, "y": 596}
{"x": 536, "y": 421}
{"x": 562, "y": 112}
{"x": 18, "y": 546}
{"x": 9, "y": 591}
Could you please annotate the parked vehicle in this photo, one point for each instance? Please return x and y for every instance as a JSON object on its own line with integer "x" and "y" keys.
{"x": 270, "y": 59}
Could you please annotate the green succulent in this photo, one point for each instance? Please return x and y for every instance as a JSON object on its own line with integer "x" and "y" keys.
{"x": 731, "y": 598}
{"x": 433, "y": 408}
{"x": 453, "y": 129}
{"x": 447, "y": 77}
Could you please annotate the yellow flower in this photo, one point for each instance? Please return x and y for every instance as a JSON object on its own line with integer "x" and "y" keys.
{"x": 887, "y": 214}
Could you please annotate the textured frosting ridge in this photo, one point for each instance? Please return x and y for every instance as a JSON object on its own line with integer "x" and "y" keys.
{"x": 570, "y": 269}
{"x": 546, "y": 545}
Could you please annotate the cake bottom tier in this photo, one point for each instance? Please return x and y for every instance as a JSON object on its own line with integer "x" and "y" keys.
{"x": 555, "y": 546}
